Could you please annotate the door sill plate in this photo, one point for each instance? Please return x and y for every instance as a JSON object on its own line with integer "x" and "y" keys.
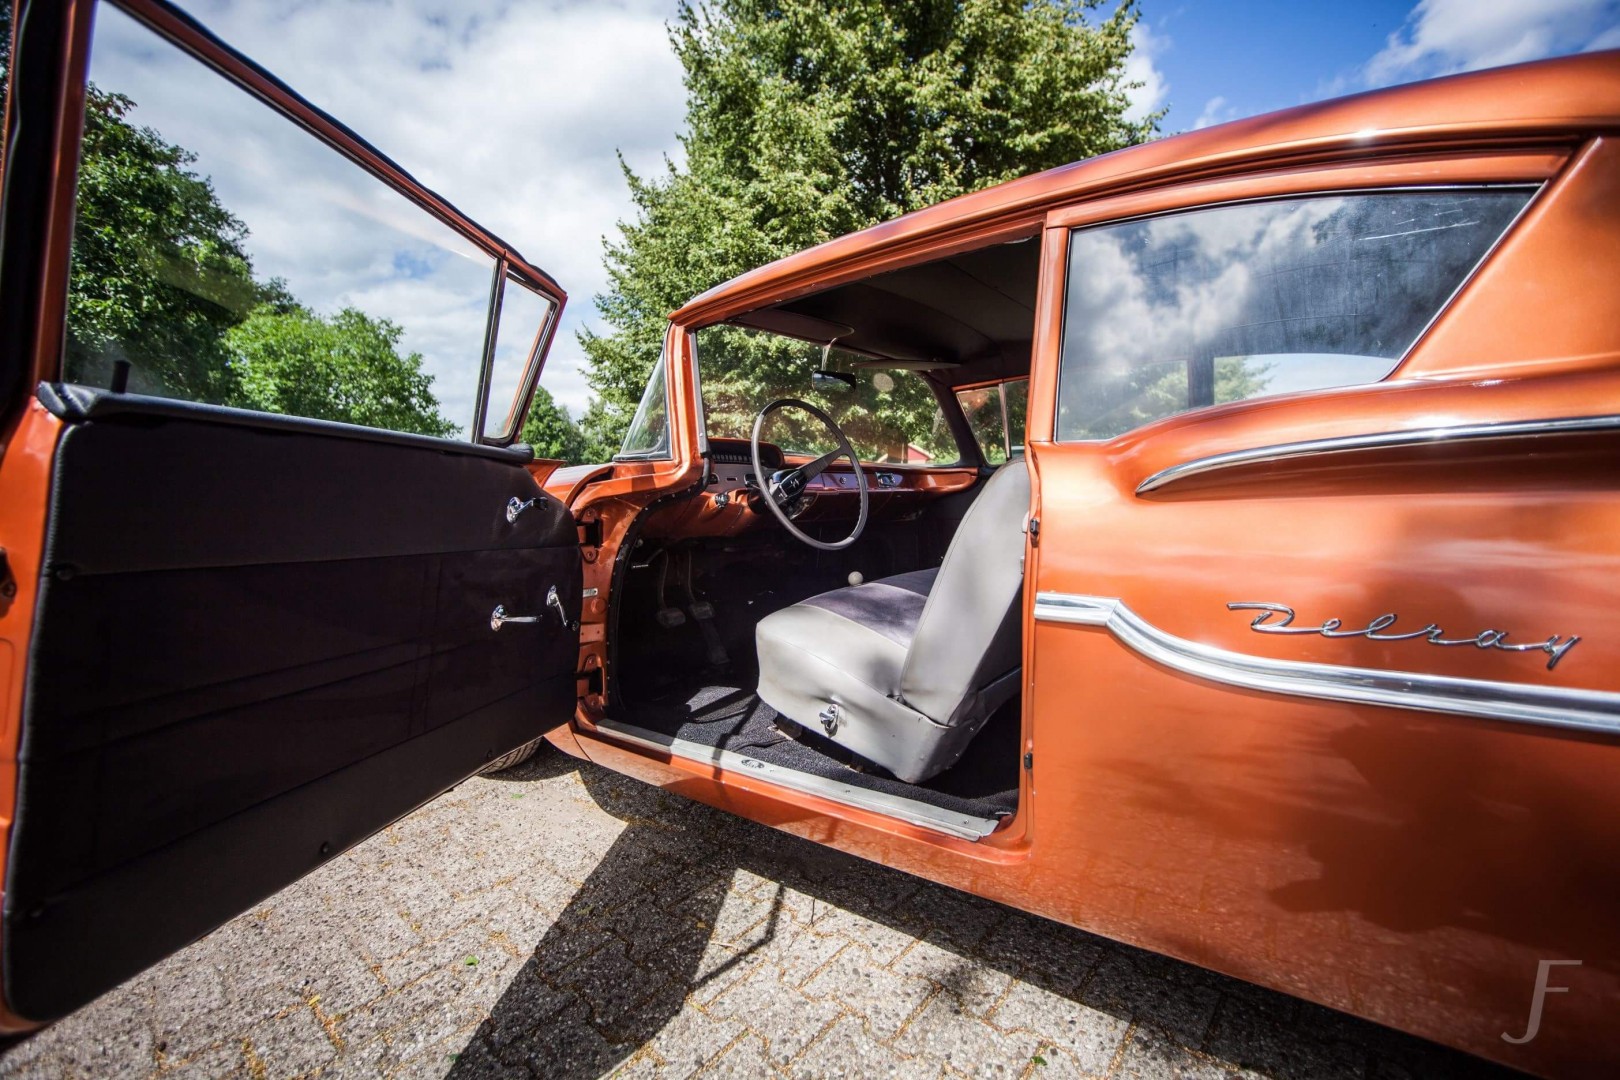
{"x": 912, "y": 812}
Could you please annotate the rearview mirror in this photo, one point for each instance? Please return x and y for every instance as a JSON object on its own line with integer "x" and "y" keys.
{"x": 832, "y": 380}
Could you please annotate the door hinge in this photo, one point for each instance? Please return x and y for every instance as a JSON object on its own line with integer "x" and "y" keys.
{"x": 8, "y": 581}
{"x": 590, "y": 531}
{"x": 1029, "y": 760}
{"x": 1034, "y": 532}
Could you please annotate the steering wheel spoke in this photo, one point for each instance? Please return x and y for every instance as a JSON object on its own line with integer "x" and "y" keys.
{"x": 785, "y": 485}
{"x": 813, "y": 469}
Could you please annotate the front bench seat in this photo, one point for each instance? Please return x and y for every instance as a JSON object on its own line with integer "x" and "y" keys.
{"x": 904, "y": 671}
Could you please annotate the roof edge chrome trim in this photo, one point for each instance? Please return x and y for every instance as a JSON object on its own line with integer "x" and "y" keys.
{"x": 961, "y": 826}
{"x": 1548, "y": 706}
{"x": 1508, "y": 429}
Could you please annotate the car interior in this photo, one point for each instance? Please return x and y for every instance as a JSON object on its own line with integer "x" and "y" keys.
{"x": 865, "y": 629}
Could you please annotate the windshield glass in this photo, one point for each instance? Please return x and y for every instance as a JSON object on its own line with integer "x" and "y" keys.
{"x": 648, "y": 436}
{"x": 889, "y": 416}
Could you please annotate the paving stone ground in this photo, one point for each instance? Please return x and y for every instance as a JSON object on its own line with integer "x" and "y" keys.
{"x": 562, "y": 921}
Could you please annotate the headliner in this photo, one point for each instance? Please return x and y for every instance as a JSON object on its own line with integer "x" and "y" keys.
{"x": 971, "y": 314}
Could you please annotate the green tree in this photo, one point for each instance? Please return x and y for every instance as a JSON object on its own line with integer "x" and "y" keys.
{"x": 161, "y": 277}
{"x": 347, "y": 367}
{"x": 553, "y": 433}
{"x": 160, "y": 270}
{"x": 602, "y": 430}
{"x": 806, "y": 121}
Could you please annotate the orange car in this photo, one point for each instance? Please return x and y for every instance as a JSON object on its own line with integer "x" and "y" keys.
{"x": 1214, "y": 545}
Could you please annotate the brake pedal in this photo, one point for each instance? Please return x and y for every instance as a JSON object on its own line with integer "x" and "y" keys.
{"x": 671, "y": 617}
{"x": 703, "y": 612}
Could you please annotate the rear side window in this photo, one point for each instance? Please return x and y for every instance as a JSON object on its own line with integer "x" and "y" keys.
{"x": 1176, "y": 312}
{"x": 996, "y": 415}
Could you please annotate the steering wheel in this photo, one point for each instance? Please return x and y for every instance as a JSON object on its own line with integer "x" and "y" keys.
{"x": 785, "y": 485}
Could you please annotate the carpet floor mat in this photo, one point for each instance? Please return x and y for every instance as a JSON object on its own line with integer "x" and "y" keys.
{"x": 983, "y": 784}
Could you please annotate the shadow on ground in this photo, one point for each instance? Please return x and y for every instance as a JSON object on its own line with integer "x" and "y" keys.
{"x": 647, "y": 933}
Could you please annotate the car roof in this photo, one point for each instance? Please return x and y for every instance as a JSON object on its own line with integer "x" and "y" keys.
{"x": 1549, "y": 100}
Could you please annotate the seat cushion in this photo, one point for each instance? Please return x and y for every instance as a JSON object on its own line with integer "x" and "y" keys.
{"x": 833, "y": 662}
{"x": 892, "y": 606}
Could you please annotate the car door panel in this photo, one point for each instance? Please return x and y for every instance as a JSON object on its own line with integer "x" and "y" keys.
{"x": 258, "y": 641}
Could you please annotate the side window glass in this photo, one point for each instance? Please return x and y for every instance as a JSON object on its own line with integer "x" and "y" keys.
{"x": 996, "y": 415}
{"x": 1185, "y": 310}
{"x": 520, "y": 334}
{"x": 1016, "y": 395}
{"x": 228, "y": 256}
{"x": 982, "y": 407}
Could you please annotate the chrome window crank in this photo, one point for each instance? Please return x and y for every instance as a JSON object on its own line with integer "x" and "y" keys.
{"x": 554, "y": 602}
{"x": 499, "y": 618}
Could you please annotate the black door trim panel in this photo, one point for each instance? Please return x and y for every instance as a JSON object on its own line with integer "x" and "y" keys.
{"x": 259, "y": 640}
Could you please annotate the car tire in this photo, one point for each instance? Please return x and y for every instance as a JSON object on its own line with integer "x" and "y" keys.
{"x": 513, "y": 757}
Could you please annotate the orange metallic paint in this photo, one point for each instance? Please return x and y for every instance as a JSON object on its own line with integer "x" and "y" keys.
{"x": 1560, "y": 258}
{"x": 25, "y": 486}
{"x": 1405, "y": 866}
{"x": 1409, "y": 867}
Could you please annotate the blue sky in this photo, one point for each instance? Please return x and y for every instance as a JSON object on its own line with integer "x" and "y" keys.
{"x": 1220, "y": 61}
{"x": 517, "y": 110}
{"x": 1252, "y": 58}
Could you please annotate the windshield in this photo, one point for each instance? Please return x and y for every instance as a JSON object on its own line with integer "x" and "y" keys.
{"x": 648, "y": 436}
{"x": 889, "y": 416}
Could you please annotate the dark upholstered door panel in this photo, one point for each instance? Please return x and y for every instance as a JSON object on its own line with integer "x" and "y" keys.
{"x": 258, "y": 642}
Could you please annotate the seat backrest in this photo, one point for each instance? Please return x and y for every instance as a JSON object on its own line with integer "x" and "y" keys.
{"x": 968, "y": 634}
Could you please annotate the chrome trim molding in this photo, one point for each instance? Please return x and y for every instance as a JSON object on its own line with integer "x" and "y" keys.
{"x": 1510, "y": 429}
{"x": 962, "y": 826}
{"x": 1549, "y": 706}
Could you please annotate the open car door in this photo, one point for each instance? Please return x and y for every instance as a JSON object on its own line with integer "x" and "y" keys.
{"x": 237, "y": 635}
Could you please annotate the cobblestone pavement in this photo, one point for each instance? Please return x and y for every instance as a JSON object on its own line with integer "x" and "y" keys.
{"x": 562, "y": 921}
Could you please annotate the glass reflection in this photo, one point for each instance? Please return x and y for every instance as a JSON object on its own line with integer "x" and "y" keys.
{"x": 1180, "y": 311}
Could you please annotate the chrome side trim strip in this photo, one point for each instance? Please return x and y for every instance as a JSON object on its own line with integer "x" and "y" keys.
{"x": 1549, "y": 706}
{"x": 1511, "y": 429}
{"x": 962, "y": 826}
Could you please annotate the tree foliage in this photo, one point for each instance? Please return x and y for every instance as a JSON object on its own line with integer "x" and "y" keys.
{"x": 554, "y": 434}
{"x": 806, "y": 121}
{"x": 342, "y": 367}
{"x": 161, "y": 277}
{"x": 160, "y": 271}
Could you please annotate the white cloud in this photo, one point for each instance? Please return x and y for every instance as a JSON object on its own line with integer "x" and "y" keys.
{"x": 1442, "y": 37}
{"x": 513, "y": 112}
{"x": 1140, "y": 67}
{"x": 1217, "y": 110}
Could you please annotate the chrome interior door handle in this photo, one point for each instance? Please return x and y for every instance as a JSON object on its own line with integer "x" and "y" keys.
{"x": 499, "y": 618}
{"x": 516, "y": 506}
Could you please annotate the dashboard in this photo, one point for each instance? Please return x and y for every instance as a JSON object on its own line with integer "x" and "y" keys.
{"x": 729, "y": 503}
